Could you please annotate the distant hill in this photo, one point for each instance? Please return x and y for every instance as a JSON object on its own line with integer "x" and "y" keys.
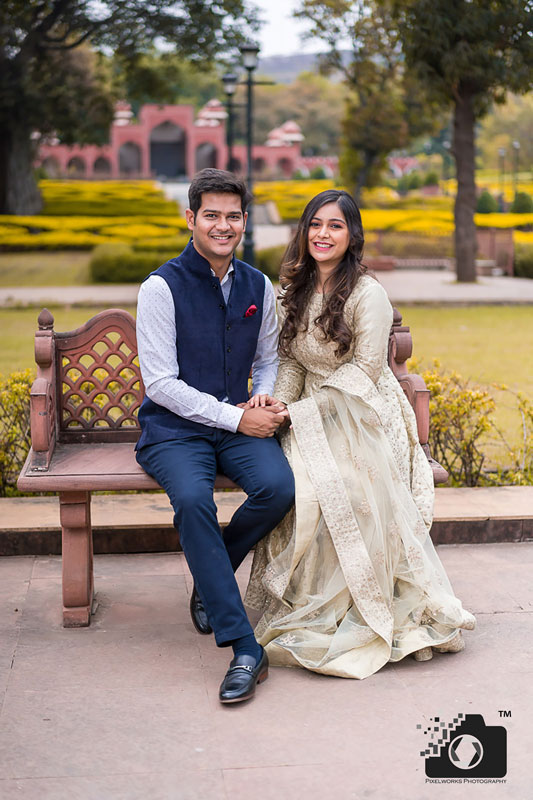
{"x": 284, "y": 69}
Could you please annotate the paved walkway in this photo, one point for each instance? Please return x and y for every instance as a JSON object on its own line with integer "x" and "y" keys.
{"x": 403, "y": 287}
{"x": 128, "y": 708}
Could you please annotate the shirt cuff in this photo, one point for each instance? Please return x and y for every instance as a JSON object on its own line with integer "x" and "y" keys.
{"x": 229, "y": 417}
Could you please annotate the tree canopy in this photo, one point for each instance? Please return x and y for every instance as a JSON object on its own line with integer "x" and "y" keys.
{"x": 385, "y": 106}
{"x": 50, "y": 81}
{"x": 468, "y": 53}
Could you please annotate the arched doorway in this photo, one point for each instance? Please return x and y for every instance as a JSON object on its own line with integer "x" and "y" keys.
{"x": 206, "y": 156}
{"x": 102, "y": 166}
{"x": 236, "y": 166}
{"x": 167, "y": 150}
{"x": 285, "y": 167}
{"x": 129, "y": 159}
{"x": 258, "y": 165}
{"x": 51, "y": 167}
{"x": 76, "y": 167}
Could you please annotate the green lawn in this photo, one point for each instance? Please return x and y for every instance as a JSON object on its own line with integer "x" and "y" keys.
{"x": 44, "y": 269}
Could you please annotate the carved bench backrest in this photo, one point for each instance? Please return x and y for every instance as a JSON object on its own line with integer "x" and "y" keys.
{"x": 98, "y": 380}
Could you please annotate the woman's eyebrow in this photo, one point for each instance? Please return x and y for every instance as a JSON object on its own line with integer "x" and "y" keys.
{"x": 332, "y": 219}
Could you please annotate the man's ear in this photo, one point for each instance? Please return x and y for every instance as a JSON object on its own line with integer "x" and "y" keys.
{"x": 245, "y": 217}
{"x": 189, "y": 216}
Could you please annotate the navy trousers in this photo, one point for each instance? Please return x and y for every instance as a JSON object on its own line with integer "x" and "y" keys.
{"x": 186, "y": 468}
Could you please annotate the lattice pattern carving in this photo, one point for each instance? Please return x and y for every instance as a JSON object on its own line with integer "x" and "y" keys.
{"x": 101, "y": 384}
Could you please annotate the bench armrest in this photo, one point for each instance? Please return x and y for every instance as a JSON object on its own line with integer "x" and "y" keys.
{"x": 42, "y": 420}
{"x": 418, "y": 395}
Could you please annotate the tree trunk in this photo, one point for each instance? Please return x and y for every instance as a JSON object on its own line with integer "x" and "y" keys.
{"x": 465, "y": 201}
{"x": 18, "y": 190}
{"x": 362, "y": 175}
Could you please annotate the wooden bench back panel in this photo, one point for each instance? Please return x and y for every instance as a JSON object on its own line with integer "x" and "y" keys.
{"x": 98, "y": 380}
{"x": 98, "y": 385}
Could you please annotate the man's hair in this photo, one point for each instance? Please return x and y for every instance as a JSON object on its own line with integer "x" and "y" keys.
{"x": 218, "y": 181}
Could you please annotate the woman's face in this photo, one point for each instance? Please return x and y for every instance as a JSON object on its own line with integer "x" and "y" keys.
{"x": 328, "y": 236}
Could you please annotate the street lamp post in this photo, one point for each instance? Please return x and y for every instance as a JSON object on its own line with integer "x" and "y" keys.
{"x": 230, "y": 85}
{"x": 249, "y": 54}
{"x": 516, "y": 151}
{"x": 501, "y": 153}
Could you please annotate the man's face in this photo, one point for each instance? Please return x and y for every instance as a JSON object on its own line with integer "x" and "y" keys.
{"x": 219, "y": 225}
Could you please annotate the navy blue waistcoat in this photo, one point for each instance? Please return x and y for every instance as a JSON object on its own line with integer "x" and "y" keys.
{"x": 215, "y": 342}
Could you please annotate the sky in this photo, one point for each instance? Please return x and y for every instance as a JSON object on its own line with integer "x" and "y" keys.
{"x": 280, "y": 33}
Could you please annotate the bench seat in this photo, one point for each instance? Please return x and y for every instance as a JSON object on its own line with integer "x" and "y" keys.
{"x": 100, "y": 466}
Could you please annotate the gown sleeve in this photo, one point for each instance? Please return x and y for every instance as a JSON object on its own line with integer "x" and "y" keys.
{"x": 372, "y": 323}
{"x": 291, "y": 374}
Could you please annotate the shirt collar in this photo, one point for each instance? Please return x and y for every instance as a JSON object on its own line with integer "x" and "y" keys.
{"x": 229, "y": 273}
{"x": 199, "y": 264}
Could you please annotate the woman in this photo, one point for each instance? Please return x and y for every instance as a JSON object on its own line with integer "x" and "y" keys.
{"x": 350, "y": 579}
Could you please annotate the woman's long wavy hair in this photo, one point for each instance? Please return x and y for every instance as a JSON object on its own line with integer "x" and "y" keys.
{"x": 299, "y": 271}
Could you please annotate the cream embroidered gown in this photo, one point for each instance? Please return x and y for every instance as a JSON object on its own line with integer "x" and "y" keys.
{"x": 350, "y": 578}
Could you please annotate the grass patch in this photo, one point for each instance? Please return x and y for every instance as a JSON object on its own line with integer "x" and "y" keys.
{"x": 44, "y": 269}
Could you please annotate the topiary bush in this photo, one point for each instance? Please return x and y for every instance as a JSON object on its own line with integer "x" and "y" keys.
{"x": 486, "y": 203}
{"x": 522, "y": 203}
{"x": 523, "y": 260}
{"x": 431, "y": 178}
{"x": 119, "y": 263}
{"x": 15, "y": 439}
{"x": 414, "y": 181}
{"x": 269, "y": 261}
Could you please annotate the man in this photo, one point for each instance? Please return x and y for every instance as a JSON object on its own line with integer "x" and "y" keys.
{"x": 205, "y": 319}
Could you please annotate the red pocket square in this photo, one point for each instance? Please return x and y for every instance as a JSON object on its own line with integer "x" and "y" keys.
{"x": 250, "y": 311}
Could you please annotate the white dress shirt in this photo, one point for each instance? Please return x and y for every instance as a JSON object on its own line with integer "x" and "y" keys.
{"x": 156, "y": 339}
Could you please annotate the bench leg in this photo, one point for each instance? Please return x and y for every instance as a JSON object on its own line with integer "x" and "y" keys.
{"x": 77, "y": 560}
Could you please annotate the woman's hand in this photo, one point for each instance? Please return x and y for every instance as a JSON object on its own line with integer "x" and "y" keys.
{"x": 260, "y": 401}
{"x": 266, "y": 401}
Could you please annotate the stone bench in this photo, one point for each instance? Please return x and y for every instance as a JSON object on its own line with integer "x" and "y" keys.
{"x": 84, "y": 405}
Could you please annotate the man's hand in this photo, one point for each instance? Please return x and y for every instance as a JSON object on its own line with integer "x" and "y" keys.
{"x": 261, "y": 422}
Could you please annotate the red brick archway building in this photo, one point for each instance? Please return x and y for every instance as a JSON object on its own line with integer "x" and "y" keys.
{"x": 167, "y": 141}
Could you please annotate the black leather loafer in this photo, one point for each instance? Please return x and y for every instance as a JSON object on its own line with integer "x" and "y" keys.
{"x": 198, "y": 614}
{"x": 242, "y": 677}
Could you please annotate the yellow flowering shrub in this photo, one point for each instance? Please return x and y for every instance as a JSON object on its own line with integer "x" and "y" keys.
{"x": 460, "y": 416}
{"x": 523, "y": 237}
{"x": 462, "y": 429}
{"x": 84, "y": 233}
{"x": 520, "y": 470}
{"x": 105, "y": 198}
{"x": 15, "y": 437}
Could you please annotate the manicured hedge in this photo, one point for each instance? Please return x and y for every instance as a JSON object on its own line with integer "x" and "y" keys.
{"x": 105, "y": 198}
{"x": 523, "y": 260}
{"x": 122, "y": 263}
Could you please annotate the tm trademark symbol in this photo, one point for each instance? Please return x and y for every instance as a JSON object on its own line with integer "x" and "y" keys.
{"x": 504, "y": 713}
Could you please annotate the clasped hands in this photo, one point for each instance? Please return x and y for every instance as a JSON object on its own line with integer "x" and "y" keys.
{"x": 263, "y": 415}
